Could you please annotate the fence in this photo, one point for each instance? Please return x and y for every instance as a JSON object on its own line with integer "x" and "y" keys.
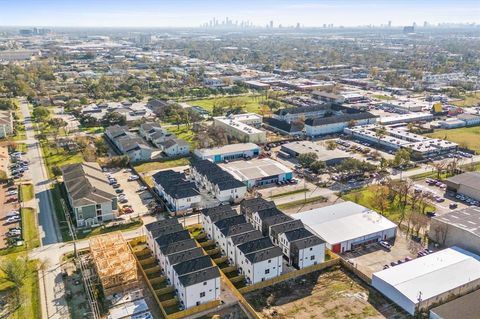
{"x": 290, "y": 275}
{"x": 357, "y": 272}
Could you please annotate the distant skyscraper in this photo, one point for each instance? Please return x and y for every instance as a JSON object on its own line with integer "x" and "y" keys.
{"x": 271, "y": 24}
{"x": 298, "y": 25}
{"x": 425, "y": 23}
{"x": 389, "y": 24}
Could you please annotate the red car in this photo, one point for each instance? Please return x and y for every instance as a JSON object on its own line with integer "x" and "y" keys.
{"x": 12, "y": 199}
{"x": 128, "y": 210}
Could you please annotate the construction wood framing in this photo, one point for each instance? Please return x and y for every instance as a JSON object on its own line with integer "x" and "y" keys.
{"x": 114, "y": 262}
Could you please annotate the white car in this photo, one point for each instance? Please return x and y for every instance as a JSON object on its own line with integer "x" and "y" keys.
{"x": 142, "y": 188}
{"x": 133, "y": 177}
{"x": 13, "y": 213}
{"x": 12, "y": 193}
{"x": 13, "y": 219}
{"x": 385, "y": 245}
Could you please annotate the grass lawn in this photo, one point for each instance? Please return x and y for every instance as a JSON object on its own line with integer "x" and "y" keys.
{"x": 382, "y": 97}
{"x": 93, "y": 130}
{"x": 30, "y": 292}
{"x": 62, "y": 221}
{"x": 154, "y": 166}
{"x": 250, "y": 103}
{"x": 29, "y": 228}
{"x": 26, "y": 191}
{"x": 472, "y": 99}
{"x": 21, "y": 147}
{"x": 134, "y": 224}
{"x": 296, "y": 203}
{"x": 468, "y": 137}
{"x": 297, "y": 191}
{"x": 184, "y": 133}
{"x": 363, "y": 197}
{"x": 58, "y": 157}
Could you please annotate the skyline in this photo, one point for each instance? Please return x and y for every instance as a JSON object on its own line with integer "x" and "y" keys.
{"x": 189, "y": 13}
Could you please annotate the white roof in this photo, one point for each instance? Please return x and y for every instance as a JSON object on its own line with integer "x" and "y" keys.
{"x": 255, "y": 169}
{"x": 433, "y": 274}
{"x": 344, "y": 221}
{"x": 128, "y": 309}
{"x": 230, "y": 148}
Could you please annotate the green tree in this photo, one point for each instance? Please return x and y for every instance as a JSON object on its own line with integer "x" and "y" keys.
{"x": 307, "y": 159}
{"x": 113, "y": 118}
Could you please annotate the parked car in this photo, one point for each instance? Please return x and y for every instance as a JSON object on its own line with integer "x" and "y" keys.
{"x": 12, "y": 213}
{"x": 116, "y": 185}
{"x": 10, "y": 193}
{"x": 123, "y": 200}
{"x": 133, "y": 178}
{"x": 12, "y": 199}
{"x": 142, "y": 188}
{"x": 128, "y": 210}
{"x": 12, "y": 220}
{"x": 385, "y": 245}
{"x": 119, "y": 190}
{"x": 431, "y": 214}
{"x": 453, "y": 205}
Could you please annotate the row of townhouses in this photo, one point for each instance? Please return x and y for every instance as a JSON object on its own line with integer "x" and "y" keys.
{"x": 164, "y": 140}
{"x": 195, "y": 278}
{"x": 129, "y": 143}
{"x": 179, "y": 193}
{"x": 214, "y": 179}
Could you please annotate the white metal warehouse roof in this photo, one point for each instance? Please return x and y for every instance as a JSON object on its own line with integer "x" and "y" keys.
{"x": 344, "y": 221}
{"x": 433, "y": 274}
{"x": 230, "y": 148}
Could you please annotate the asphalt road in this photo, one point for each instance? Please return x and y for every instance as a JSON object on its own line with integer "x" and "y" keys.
{"x": 47, "y": 223}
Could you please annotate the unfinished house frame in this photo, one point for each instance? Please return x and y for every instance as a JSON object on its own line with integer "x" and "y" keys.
{"x": 114, "y": 262}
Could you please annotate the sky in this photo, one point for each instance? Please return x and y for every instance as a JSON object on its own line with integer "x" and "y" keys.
{"x": 192, "y": 13}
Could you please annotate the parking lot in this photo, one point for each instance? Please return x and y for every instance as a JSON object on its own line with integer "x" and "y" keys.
{"x": 137, "y": 198}
{"x": 6, "y": 223}
{"x": 374, "y": 257}
{"x": 442, "y": 201}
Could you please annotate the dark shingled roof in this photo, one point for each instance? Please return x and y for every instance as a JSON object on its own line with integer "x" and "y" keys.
{"x": 172, "y": 237}
{"x": 161, "y": 223}
{"x": 215, "y": 217}
{"x": 199, "y": 276}
{"x": 193, "y": 265}
{"x": 248, "y": 206}
{"x": 236, "y": 229}
{"x": 277, "y": 229}
{"x": 264, "y": 254}
{"x": 178, "y": 246}
{"x": 216, "y": 175}
{"x": 254, "y": 245}
{"x": 185, "y": 255}
{"x": 246, "y": 237}
{"x": 165, "y": 230}
{"x": 175, "y": 184}
{"x": 211, "y": 210}
{"x": 227, "y": 222}
{"x": 301, "y": 238}
{"x": 268, "y": 212}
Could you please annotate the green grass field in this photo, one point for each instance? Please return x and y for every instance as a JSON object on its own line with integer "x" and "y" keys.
{"x": 58, "y": 157}
{"x": 26, "y": 191}
{"x": 184, "y": 133}
{"x": 472, "y": 99}
{"x": 250, "y": 103}
{"x": 30, "y": 292}
{"x": 29, "y": 228}
{"x": 155, "y": 166}
{"x": 468, "y": 137}
{"x": 301, "y": 202}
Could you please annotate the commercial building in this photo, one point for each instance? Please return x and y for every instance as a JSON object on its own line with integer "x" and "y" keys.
{"x": 243, "y": 127}
{"x": 283, "y": 127}
{"x": 91, "y": 197}
{"x": 347, "y": 225}
{"x": 421, "y": 147}
{"x": 178, "y": 192}
{"x": 337, "y": 123}
{"x": 406, "y": 118}
{"x": 463, "y": 307}
{"x": 328, "y": 97}
{"x": 218, "y": 182}
{"x": 258, "y": 172}
{"x": 228, "y": 152}
{"x": 293, "y": 114}
{"x": 429, "y": 280}
{"x": 467, "y": 184}
{"x": 330, "y": 157}
{"x": 457, "y": 228}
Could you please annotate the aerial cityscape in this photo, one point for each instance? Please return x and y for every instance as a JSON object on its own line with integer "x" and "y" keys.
{"x": 240, "y": 159}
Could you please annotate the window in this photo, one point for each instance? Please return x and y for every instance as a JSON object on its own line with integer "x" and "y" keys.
{"x": 204, "y": 283}
{"x": 311, "y": 248}
{"x": 202, "y": 294}
{"x": 312, "y": 258}
{"x": 267, "y": 271}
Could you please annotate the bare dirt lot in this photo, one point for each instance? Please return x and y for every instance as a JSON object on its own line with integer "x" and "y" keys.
{"x": 332, "y": 293}
{"x": 374, "y": 257}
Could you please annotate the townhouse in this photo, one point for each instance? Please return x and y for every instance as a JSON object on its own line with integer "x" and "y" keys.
{"x": 251, "y": 205}
{"x": 179, "y": 193}
{"x": 236, "y": 240}
{"x": 196, "y": 281}
{"x": 209, "y": 216}
{"x": 230, "y": 231}
{"x": 221, "y": 184}
{"x": 259, "y": 260}
{"x": 91, "y": 197}
{"x": 149, "y": 228}
{"x": 179, "y": 257}
{"x": 257, "y": 218}
{"x": 302, "y": 248}
{"x": 167, "y": 239}
{"x": 225, "y": 223}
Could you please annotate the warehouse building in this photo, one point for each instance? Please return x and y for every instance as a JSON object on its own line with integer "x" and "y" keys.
{"x": 429, "y": 280}
{"x": 330, "y": 157}
{"x": 457, "y": 228}
{"x": 258, "y": 172}
{"x": 347, "y": 225}
{"x": 337, "y": 123}
{"x": 464, "y": 307}
{"x": 228, "y": 152}
{"x": 467, "y": 184}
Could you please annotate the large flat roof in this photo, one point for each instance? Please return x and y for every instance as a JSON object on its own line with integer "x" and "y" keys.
{"x": 303, "y": 147}
{"x": 344, "y": 221}
{"x": 469, "y": 179}
{"x": 463, "y": 307}
{"x": 255, "y": 169}
{"x": 433, "y": 274}
{"x": 231, "y": 148}
{"x": 467, "y": 219}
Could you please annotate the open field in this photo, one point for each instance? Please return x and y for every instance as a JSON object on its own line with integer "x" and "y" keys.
{"x": 57, "y": 157}
{"x": 468, "y": 137}
{"x": 310, "y": 200}
{"x": 29, "y": 228}
{"x": 29, "y": 292}
{"x": 26, "y": 191}
{"x": 331, "y": 293}
{"x": 472, "y": 99}
{"x": 249, "y": 103}
{"x": 153, "y": 166}
{"x": 185, "y": 133}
